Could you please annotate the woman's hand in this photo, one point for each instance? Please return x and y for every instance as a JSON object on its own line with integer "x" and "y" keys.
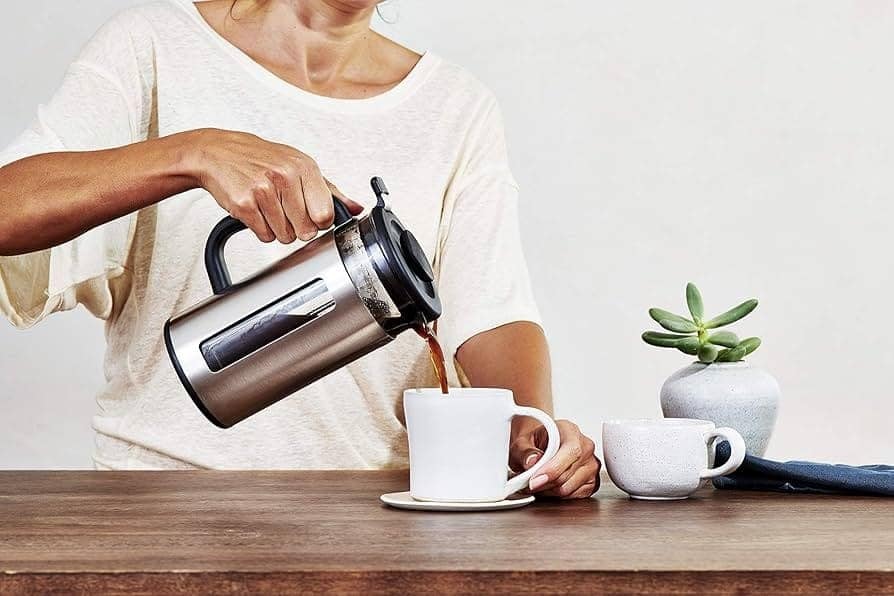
{"x": 572, "y": 474}
{"x": 276, "y": 190}
{"x": 515, "y": 356}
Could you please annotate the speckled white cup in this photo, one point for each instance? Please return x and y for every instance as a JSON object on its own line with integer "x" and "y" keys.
{"x": 665, "y": 459}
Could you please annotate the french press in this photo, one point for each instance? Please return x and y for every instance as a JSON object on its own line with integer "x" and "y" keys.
{"x": 344, "y": 294}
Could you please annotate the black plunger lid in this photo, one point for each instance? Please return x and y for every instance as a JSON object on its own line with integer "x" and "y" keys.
{"x": 402, "y": 265}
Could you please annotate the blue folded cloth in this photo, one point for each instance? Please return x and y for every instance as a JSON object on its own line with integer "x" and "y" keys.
{"x": 757, "y": 473}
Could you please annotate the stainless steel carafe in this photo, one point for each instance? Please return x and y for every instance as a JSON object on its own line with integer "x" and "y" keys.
{"x": 342, "y": 295}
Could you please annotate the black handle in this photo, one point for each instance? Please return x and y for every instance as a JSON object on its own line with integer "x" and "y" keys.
{"x": 342, "y": 214}
{"x": 215, "y": 263}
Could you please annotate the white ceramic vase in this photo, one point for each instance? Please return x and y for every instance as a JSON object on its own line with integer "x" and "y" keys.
{"x": 733, "y": 394}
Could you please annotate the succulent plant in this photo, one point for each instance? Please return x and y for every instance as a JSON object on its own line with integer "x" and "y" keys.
{"x": 696, "y": 336}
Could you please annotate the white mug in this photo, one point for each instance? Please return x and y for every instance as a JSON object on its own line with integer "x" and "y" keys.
{"x": 666, "y": 458}
{"x": 459, "y": 444}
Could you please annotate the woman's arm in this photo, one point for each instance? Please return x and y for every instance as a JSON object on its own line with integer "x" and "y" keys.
{"x": 276, "y": 190}
{"x": 46, "y": 200}
{"x": 516, "y": 356}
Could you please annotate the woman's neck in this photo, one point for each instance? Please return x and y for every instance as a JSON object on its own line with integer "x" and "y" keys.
{"x": 319, "y": 39}
{"x": 323, "y": 46}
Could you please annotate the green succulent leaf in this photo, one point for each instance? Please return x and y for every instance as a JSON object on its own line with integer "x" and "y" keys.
{"x": 680, "y": 326}
{"x": 694, "y": 302}
{"x": 731, "y": 354}
{"x": 732, "y": 315}
{"x": 659, "y": 315}
{"x": 662, "y": 340}
{"x": 727, "y": 339}
{"x": 750, "y": 344}
{"x": 707, "y": 353}
{"x": 689, "y": 345}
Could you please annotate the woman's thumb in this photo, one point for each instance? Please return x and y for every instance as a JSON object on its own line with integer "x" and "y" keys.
{"x": 524, "y": 453}
{"x": 353, "y": 206}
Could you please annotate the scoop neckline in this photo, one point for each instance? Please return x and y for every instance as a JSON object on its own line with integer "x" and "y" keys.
{"x": 403, "y": 89}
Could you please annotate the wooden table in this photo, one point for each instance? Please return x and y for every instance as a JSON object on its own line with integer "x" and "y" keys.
{"x": 157, "y": 532}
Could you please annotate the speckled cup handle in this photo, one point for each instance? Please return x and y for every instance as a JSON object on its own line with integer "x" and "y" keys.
{"x": 737, "y": 451}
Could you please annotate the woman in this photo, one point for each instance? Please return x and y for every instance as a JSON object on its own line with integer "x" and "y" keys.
{"x": 175, "y": 112}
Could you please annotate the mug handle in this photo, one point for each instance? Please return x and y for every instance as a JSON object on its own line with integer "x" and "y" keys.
{"x": 736, "y": 456}
{"x": 516, "y": 483}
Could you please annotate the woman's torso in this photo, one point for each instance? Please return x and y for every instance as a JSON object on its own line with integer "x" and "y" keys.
{"x": 412, "y": 136}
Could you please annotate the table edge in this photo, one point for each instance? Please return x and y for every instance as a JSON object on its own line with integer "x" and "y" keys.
{"x": 178, "y": 582}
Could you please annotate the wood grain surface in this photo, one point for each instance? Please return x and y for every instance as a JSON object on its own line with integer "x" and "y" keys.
{"x": 187, "y": 532}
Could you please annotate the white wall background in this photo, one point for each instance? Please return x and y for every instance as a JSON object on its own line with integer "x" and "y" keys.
{"x": 746, "y": 146}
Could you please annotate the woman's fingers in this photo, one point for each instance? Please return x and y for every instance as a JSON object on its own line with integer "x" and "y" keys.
{"x": 353, "y": 206}
{"x": 585, "y": 491}
{"x": 574, "y": 485}
{"x": 296, "y": 211}
{"x": 574, "y": 471}
{"x": 572, "y": 449}
{"x": 247, "y": 212}
{"x": 525, "y": 450}
{"x": 271, "y": 207}
{"x": 290, "y": 192}
{"x": 317, "y": 197}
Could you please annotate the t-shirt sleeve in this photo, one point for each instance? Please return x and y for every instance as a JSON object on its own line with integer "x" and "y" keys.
{"x": 103, "y": 102}
{"x": 483, "y": 278}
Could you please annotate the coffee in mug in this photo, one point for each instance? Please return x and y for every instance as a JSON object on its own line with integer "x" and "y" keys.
{"x": 666, "y": 458}
{"x": 459, "y": 444}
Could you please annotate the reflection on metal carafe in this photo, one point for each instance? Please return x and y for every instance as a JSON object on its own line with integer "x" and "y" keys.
{"x": 344, "y": 294}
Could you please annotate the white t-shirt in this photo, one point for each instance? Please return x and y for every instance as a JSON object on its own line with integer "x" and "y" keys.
{"x": 436, "y": 139}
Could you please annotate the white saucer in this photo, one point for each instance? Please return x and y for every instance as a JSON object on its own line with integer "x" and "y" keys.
{"x": 405, "y": 501}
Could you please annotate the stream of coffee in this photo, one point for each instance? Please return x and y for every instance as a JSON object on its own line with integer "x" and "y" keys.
{"x": 436, "y": 354}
